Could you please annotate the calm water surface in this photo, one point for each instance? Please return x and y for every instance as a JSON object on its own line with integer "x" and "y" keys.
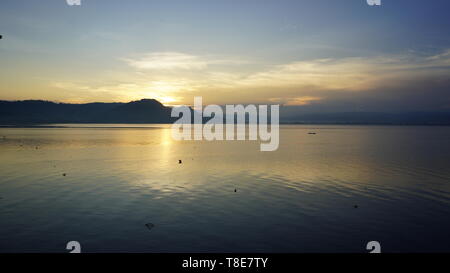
{"x": 300, "y": 198}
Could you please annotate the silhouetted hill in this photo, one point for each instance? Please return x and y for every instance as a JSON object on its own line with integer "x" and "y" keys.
{"x": 152, "y": 111}
{"x": 143, "y": 111}
{"x": 38, "y": 111}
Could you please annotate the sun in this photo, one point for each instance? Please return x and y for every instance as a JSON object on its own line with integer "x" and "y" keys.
{"x": 163, "y": 91}
{"x": 166, "y": 100}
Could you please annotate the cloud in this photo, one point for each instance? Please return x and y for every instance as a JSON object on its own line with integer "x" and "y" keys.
{"x": 177, "y": 61}
{"x": 167, "y": 61}
{"x": 176, "y": 77}
{"x": 439, "y": 60}
{"x": 349, "y": 74}
{"x": 300, "y": 101}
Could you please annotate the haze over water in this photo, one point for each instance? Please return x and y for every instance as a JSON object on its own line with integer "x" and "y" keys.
{"x": 329, "y": 192}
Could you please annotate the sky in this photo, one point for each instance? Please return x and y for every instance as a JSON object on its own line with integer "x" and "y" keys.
{"x": 313, "y": 55}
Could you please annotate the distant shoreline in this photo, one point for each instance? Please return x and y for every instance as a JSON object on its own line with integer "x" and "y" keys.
{"x": 125, "y": 125}
{"x": 149, "y": 111}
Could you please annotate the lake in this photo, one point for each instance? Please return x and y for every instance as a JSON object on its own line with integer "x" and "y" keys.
{"x": 333, "y": 191}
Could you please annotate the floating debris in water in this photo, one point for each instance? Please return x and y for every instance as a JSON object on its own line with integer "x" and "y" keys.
{"x": 355, "y": 206}
{"x": 64, "y": 174}
{"x": 149, "y": 226}
{"x": 235, "y": 190}
{"x": 311, "y": 133}
{"x": 179, "y": 161}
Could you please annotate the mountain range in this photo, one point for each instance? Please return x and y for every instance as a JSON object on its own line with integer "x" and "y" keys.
{"x": 38, "y": 112}
{"x": 152, "y": 111}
